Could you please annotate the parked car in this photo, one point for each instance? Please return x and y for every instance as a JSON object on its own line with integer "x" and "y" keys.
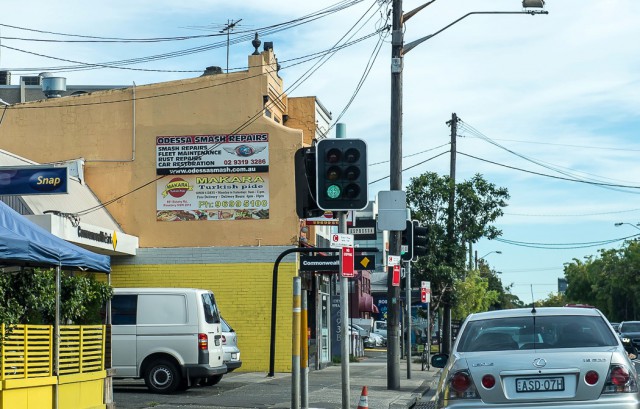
{"x": 563, "y": 357}
{"x": 374, "y": 340}
{"x": 171, "y": 337}
{"x": 380, "y": 327}
{"x": 361, "y": 331}
{"x": 231, "y": 353}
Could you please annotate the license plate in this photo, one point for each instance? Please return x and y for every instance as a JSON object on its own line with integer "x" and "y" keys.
{"x": 549, "y": 384}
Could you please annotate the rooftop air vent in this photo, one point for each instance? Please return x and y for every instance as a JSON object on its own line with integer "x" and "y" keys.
{"x": 53, "y": 87}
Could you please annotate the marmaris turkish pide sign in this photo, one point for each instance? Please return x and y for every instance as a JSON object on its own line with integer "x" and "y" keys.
{"x": 212, "y": 177}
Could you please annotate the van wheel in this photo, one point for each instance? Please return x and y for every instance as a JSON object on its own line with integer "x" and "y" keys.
{"x": 210, "y": 381}
{"x": 162, "y": 377}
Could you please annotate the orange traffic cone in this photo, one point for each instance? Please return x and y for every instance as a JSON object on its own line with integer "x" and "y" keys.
{"x": 364, "y": 399}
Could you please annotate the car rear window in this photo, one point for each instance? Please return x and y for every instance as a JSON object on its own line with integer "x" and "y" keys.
{"x": 560, "y": 331}
{"x": 211, "y": 313}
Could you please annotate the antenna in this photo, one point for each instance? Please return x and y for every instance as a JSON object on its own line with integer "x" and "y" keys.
{"x": 533, "y": 301}
{"x": 228, "y": 27}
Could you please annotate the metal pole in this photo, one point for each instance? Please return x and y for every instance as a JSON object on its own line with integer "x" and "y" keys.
{"x": 56, "y": 338}
{"x": 393, "y": 292}
{"x": 408, "y": 320}
{"x": 341, "y": 132}
{"x": 304, "y": 359}
{"x": 295, "y": 345}
{"x": 446, "y": 322}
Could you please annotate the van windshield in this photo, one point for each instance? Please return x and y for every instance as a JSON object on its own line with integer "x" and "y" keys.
{"x": 211, "y": 313}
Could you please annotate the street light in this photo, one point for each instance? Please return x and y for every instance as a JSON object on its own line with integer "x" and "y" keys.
{"x": 483, "y": 257}
{"x": 630, "y": 224}
{"x": 398, "y": 49}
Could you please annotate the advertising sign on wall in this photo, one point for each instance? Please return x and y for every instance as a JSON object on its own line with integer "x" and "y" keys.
{"x": 201, "y": 154}
{"x": 213, "y": 197}
{"x": 33, "y": 180}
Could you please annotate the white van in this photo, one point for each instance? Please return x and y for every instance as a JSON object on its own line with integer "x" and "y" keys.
{"x": 171, "y": 337}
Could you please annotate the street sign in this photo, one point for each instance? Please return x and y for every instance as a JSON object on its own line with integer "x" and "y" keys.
{"x": 346, "y": 262}
{"x": 340, "y": 240}
{"x": 395, "y": 279}
{"x": 425, "y": 292}
{"x": 393, "y": 261}
{"x": 365, "y": 229}
{"x": 332, "y": 263}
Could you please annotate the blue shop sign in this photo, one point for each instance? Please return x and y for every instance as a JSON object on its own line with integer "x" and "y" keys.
{"x": 33, "y": 180}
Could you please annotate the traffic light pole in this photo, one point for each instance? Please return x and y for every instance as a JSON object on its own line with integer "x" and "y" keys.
{"x": 408, "y": 319}
{"x": 393, "y": 292}
{"x": 344, "y": 317}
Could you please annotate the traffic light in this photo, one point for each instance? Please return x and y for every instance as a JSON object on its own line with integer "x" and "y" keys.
{"x": 305, "y": 174}
{"x": 341, "y": 174}
{"x": 420, "y": 237}
{"x": 407, "y": 240}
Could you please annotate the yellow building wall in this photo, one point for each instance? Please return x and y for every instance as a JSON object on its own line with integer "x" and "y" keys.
{"x": 243, "y": 294}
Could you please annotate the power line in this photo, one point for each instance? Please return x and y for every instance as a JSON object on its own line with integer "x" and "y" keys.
{"x": 552, "y": 176}
{"x": 600, "y": 148}
{"x": 573, "y": 215}
{"x": 412, "y": 166}
{"x": 563, "y": 246}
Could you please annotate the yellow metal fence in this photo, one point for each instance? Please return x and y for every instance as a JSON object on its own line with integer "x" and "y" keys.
{"x": 27, "y": 352}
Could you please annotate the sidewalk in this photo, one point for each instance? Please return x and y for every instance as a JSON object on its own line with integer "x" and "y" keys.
{"x": 325, "y": 386}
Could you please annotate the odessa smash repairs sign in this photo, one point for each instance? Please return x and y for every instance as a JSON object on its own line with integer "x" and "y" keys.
{"x": 200, "y": 154}
{"x": 212, "y": 197}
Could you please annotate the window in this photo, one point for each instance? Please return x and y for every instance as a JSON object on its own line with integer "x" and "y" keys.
{"x": 211, "y": 313}
{"x": 123, "y": 309}
{"x": 559, "y": 331}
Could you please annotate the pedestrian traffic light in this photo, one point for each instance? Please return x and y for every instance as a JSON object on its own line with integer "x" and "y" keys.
{"x": 341, "y": 174}
{"x": 305, "y": 174}
{"x": 420, "y": 239}
{"x": 407, "y": 240}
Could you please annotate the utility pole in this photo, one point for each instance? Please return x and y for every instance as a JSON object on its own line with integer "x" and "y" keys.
{"x": 446, "y": 325}
{"x": 393, "y": 292}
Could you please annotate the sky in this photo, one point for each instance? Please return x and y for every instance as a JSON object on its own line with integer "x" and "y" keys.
{"x": 541, "y": 99}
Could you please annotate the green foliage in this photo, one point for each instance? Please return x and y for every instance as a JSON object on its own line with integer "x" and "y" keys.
{"x": 552, "y": 300}
{"x": 28, "y": 297}
{"x": 478, "y": 204}
{"x": 473, "y": 295}
{"x": 609, "y": 282}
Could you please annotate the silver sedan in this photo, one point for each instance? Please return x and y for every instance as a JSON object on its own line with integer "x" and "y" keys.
{"x": 548, "y": 358}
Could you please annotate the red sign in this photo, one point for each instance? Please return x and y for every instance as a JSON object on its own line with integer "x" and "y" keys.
{"x": 347, "y": 257}
{"x": 395, "y": 281}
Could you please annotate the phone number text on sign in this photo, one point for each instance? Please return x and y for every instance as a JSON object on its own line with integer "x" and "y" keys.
{"x": 217, "y": 197}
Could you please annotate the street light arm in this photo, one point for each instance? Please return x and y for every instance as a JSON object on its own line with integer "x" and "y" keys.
{"x": 410, "y": 46}
{"x": 406, "y": 16}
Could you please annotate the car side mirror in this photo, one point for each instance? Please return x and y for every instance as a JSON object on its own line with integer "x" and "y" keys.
{"x": 439, "y": 360}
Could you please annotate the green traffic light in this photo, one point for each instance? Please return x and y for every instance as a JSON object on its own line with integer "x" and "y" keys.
{"x": 333, "y": 191}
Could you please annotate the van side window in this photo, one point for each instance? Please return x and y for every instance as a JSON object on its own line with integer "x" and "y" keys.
{"x": 211, "y": 313}
{"x": 123, "y": 309}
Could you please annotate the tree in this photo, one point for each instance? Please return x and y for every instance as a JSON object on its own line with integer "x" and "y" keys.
{"x": 478, "y": 204}
{"x": 473, "y": 295}
{"x": 610, "y": 281}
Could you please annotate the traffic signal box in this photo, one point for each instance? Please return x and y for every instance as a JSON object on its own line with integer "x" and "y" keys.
{"x": 305, "y": 174}
{"x": 407, "y": 240}
{"x": 415, "y": 238}
{"x": 341, "y": 174}
{"x": 420, "y": 237}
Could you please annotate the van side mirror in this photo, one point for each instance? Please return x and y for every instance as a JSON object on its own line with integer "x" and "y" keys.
{"x": 439, "y": 360}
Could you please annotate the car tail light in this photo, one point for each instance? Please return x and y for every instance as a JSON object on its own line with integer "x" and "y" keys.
{"x": 591, "y": 377}
{"x": 203, "y": 342}
{"x": 488, "y": 381}
{"x": 461, "y": 386}
{"x": 620, "y": 380}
